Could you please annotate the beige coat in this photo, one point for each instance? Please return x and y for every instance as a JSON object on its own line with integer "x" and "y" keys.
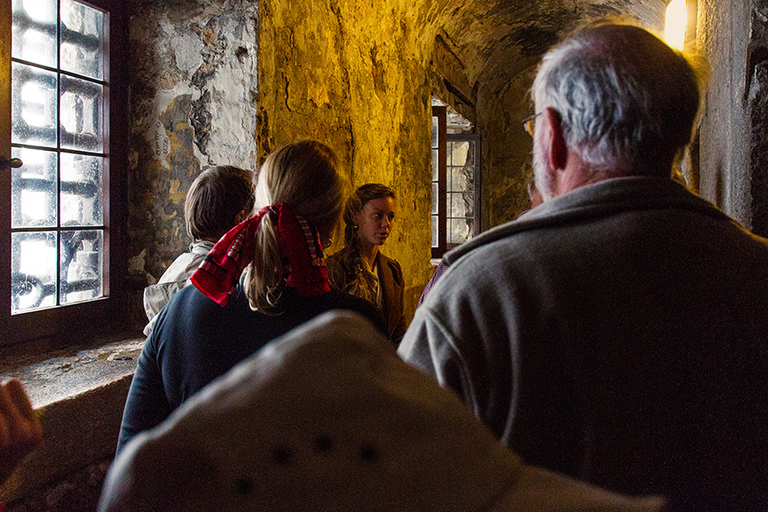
{"x": 329, "y": 419}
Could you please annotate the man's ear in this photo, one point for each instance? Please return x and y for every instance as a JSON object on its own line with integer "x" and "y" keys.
{"x": 557, "y": 151}
{"x": 240, "y": 217}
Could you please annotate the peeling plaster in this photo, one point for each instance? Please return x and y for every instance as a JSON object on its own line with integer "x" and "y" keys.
{"x": 351, "y": 74}
{"x": 188, "y": 51}
{"x": 193, "y": 104}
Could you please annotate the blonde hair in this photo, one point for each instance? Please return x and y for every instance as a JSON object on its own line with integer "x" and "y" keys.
{"x": 305, "y": 176}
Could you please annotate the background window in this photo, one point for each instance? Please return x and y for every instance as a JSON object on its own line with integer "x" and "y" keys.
{"x": 455, "y": 183}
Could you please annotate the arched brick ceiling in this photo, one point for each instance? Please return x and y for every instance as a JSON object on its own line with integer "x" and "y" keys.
{"x": 498, "y": 39}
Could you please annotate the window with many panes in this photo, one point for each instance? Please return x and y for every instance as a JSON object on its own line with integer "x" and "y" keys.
{"x": 62, "y": 167}
{"x": 455, "y": 184}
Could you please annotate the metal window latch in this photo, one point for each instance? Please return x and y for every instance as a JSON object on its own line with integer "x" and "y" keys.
{"x": 13, "y": 162}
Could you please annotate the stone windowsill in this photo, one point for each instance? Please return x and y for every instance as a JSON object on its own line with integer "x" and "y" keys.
{"x": 79, "y": 394}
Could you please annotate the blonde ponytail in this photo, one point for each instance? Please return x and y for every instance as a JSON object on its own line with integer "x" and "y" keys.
{"x": 305, "y": 176}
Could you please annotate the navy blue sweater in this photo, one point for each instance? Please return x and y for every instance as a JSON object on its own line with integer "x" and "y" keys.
{"x": 195, "y": 341}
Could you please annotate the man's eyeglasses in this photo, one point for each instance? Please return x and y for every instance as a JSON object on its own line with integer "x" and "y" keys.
{"x": 529, "y": 124}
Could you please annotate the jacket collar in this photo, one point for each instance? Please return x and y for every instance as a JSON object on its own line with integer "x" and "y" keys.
{"x": 607, "y": 197}
{"x": 200, "y": 247}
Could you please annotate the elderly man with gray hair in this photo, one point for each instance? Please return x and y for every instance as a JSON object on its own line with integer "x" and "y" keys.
{"x": 618, "y": 333}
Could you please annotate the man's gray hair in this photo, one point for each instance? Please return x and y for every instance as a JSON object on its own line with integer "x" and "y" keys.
{"x": 627, "y": 101}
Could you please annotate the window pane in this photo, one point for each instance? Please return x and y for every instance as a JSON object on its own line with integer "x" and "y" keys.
{"x": 33, "y": 106}
{"x": 461, "y": 172}
{"x": 435, "y": 196}
{"x": 462, "y": 178}
{"x": 460, "y": 205}
{"x": 33, "y": 270}
{"x": 34, "y": 189}
{"x": 82, "y": 190}
{"x": 34, "y": 31}
{"x": 435, "y": 165}
{"x": 61, "y": 190}
{"x": 81, "y": 115}
{"x": 81, "y": 265}
{"x": 82, "y": 42}
{"x": 459, "y": 152}
{"x": 435, "y": 228}
{"x": 459, "y": 231}
{"x": 435, "y": 131}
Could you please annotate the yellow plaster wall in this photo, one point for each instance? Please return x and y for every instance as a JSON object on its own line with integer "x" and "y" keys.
{"x": 350, "y": 74}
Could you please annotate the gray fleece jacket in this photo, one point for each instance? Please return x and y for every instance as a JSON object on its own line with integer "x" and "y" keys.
{"x": 617, "y": 334}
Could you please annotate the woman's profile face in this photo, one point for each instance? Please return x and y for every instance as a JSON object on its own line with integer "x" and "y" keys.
{"x": 374, "y": 222}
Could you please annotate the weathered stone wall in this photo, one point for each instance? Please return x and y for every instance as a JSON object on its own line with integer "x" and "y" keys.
{"x": 506, "y": 150}
{"x": 348, "y": 73}
{"x": 723, "y": 34}
{"x": 193, "y": 101}
{"x": 758, "y": 105}
{"x": 357, "y": 75}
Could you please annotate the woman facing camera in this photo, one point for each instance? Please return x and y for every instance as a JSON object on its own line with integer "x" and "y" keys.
{"x": 208, "y": 328}
{"x": 360, "y": 268}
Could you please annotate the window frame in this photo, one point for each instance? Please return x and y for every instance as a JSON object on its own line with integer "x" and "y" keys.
{"x": 70, "y": 323}
{"x": 441, "y": 112}
{"x": 444, "y": 138}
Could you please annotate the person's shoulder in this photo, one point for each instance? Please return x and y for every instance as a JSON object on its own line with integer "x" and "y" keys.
{"x": 390, "y": 261}
{"x": 334, "y": 264}
{"x": 181, "y": 268}
{"x": 393, "y": 264}
{"x": 488, "y": 270}
{"x": 494, "y": 237}
{"x": 190, "y": 312}
{"x": 394, "y": 268}
{"x": 337, "y": 259}
{"x": 191, "y": 302}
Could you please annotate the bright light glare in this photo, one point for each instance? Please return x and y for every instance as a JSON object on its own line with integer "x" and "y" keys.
{"x": 674, "y": 25}
{"x": 34, "y": 162}
{"x": 34, "y": 205}
{"x": 42, "y": 13}
{"x": 35, "y": 44}
{"x": 70, "y": 111}
{"x": 37, "y": 258}
{"x": 33, "y": 104}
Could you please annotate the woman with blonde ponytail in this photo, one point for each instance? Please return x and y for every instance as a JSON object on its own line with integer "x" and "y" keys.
{"x": 264, "y": 277}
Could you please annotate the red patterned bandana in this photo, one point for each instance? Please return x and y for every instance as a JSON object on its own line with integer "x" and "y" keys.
{"x": 299, "y": 244}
